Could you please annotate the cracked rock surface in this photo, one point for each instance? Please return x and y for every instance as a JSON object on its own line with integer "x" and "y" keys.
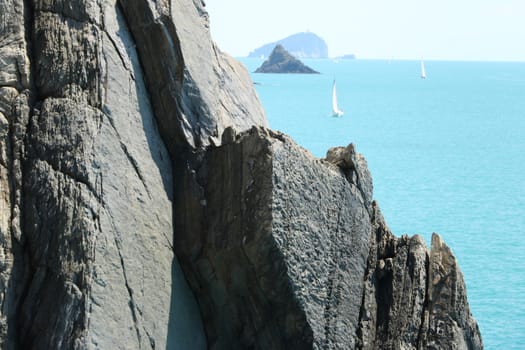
{"x": 144, "y": 203}
{"x": 287, "y": 251}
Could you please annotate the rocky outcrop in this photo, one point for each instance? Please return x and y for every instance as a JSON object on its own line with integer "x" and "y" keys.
{"x": 414, "y": 298}
{"x": 280, "y": 61}
{"x": 127, "y": 136}
{"x": 274, "y": 243}
{"x": 300, "y": 45}
{"x": 194, "y": 86}
{"x": 287, "y": 251}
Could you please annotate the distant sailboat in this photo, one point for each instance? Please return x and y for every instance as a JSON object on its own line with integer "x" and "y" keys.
{"x": 423, "y": 73}
{"x": 336, "y": 112}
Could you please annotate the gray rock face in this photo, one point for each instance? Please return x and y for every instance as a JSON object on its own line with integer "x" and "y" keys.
{"x": 196, "y": 87}
{"x": 403, "y": 284}
{"x": 276, "y": 245}
{"x": 126, "y": 135}
{"x": 86, "y": 223}
{"x": 274, "y": 242}
{"x": 14, "y": 113}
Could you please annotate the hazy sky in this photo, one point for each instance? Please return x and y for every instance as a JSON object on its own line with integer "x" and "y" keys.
{"x": 439, "y": 29}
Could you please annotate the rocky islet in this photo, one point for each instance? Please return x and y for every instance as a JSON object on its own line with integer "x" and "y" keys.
{"x": 281, "y": 61}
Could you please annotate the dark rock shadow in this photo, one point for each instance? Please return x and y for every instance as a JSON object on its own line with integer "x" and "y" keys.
{"x": 185, "y": 328}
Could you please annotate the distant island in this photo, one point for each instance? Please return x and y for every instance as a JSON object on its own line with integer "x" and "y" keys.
{"x": 347, "y": 57}
{"x": 281, "y": 61}
{"x": 300, "y": 45}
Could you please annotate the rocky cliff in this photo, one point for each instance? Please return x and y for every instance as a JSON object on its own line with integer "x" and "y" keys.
{"x": 89, "y": 91}
{"x": 287, "y": 251}
{"x": 127, "y": 145}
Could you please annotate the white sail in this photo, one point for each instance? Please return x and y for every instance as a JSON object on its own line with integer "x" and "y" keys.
{"x": 336, "y": 112}
{"x": 423, "y": 73}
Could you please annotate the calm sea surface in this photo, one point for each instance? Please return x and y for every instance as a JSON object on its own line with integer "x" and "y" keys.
{"x": 447, "y": 155}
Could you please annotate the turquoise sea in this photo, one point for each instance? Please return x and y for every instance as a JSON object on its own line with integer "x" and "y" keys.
{"x": 447, "y": 155}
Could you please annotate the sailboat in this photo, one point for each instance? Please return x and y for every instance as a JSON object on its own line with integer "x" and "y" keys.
{"x": 423, "y": 73}
{"x": 336, "y": 112}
